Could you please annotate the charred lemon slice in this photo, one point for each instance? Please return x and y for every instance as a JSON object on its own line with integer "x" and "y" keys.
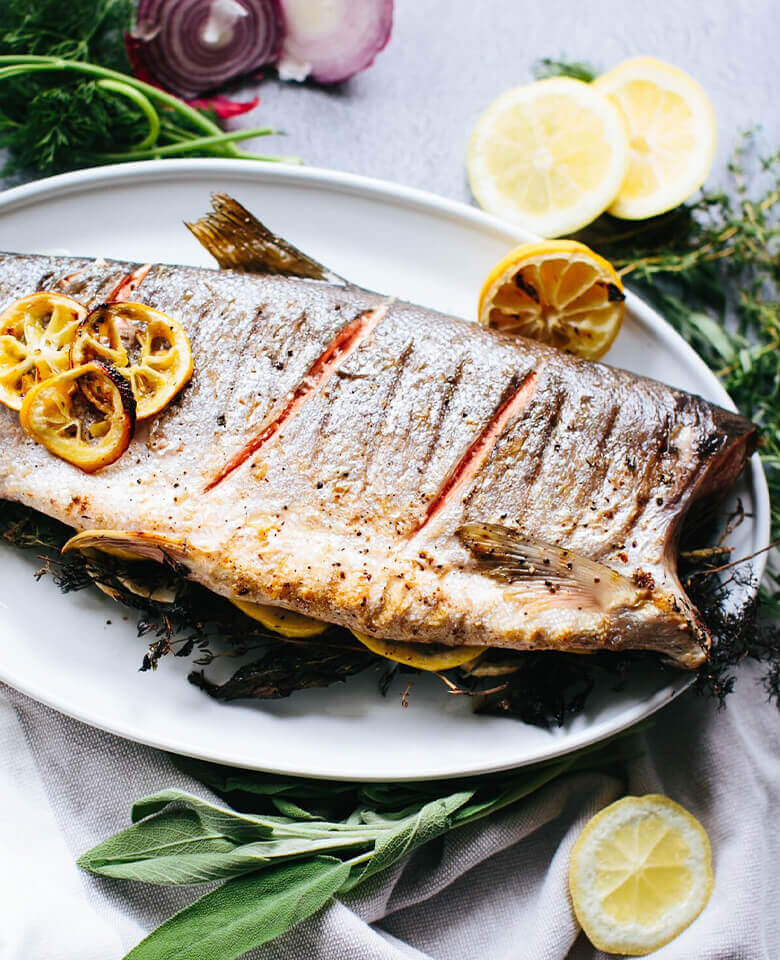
{"x": 286, "y": 622}
{"x": 429, "y": 656}
{"x": 558, "y": 292}
{"x": 146, "y": 346}
{"x": 36, "y": 334}
{"x": 58, "y": 414}
{"x": 640, "y": 873}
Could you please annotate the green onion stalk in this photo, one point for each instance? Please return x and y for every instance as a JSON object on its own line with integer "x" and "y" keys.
{"x": 157, "y": 107}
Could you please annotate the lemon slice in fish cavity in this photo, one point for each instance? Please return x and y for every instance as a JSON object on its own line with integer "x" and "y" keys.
{"x": 287, "y": 623}
{"x": 423, "y": 656}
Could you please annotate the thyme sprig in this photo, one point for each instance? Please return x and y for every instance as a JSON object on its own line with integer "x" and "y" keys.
{"x": 712, "y": 267}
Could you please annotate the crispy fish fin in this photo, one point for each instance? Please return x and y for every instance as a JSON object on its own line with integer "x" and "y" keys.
{"x": 130, "y": 545}
{"x": 568, "y": 577}
{"x": 238, "y": 241}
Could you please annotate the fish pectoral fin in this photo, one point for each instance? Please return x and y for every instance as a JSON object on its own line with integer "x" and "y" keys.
{"x": 570, "y": 578}
{"x": 129, "y": 545}
{"x": 238, "y": 241}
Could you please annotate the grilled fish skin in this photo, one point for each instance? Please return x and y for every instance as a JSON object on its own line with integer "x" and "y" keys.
{"x": 365, "y": 503}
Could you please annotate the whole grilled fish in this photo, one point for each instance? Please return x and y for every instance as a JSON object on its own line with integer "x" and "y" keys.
{"x": 378, "y": 465}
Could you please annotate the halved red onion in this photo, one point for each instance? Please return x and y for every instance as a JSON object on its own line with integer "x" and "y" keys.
{"x": 332, "y": 40}
{"x": 193, "y": 46}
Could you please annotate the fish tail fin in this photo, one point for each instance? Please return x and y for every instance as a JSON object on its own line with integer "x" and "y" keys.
{"x": 570, "y": 577}
{"x": 239, "y": 241}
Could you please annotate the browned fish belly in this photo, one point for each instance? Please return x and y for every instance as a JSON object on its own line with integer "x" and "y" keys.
{"x": 341, "y": 456}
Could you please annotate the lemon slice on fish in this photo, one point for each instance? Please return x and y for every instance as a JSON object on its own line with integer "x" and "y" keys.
{"x": 428, "y": 656}
{"x": 56, "y": 415}
{"x": 671, "y": 135}
{"x": 36, "y": 334}
{"x": 640, "y": 873}
{"x": 285, "y": 622}
{"x": 149, "y": 348}
{"x": 550, "y": 156}
{"x": 558, "y": 292}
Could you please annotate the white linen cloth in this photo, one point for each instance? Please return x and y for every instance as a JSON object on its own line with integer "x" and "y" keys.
{"x": 495, "y": 889}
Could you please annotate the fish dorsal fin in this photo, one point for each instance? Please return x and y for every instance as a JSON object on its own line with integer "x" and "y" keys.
{"x": 238, "y": 241}
{"x": 515, "y": 559}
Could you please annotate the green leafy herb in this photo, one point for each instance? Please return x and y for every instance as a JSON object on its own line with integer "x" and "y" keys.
{"x": 279, "y": 868}
{"x": 68, "y": 99}
{"x": 77, "y": 30}
{"x": 245, "y": 912}
{"x": 546, "y": 67}
{"x": 712, "y": 267}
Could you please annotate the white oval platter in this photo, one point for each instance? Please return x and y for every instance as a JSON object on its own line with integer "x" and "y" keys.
{"x": 62, "y": 650}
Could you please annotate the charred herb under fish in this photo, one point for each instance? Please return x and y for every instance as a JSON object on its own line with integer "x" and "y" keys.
{"x": 540, "y": 688}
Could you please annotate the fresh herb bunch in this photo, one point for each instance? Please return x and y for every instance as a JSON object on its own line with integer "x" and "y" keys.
{"x": 294, "y": 846}
{"x": 68, "y": 98}
{"x": 712, "y": 267}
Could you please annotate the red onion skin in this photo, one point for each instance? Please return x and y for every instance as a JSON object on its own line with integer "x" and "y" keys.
{"x": 350, "y": 63}
{"x": 164, "y": 53}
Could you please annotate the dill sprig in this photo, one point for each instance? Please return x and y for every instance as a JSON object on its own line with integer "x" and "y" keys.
{"x": 68, "y": 98}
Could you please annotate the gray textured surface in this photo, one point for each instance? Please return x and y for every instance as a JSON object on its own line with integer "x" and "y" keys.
{"x": 409, "y": 117}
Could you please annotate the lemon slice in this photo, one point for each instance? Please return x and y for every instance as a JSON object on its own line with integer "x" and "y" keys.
{"x": 36, "y": 333}
{"x": 558, "y": 292}
{"x": 433, "y": 656}
{"x": 671, "y": 134}
{"x": 149, "y": 348}
{"x": 55, "y": 415}
{"x": 550, "y": 156}
{"x": 285, "y": 622}
{"x": 640, "y": 873}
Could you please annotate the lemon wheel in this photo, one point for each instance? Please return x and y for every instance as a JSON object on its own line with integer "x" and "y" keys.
{"x": 640, "y": 873}
{"x": 550, "y": 156}
{"x": 423, "y": 656}
{"x": 57, "y": 413}
{"x": 36, "y": 334}
{"x": 671, "y": 135}
{"x": 281, "y": 621}
{"x": 558, "y": 292}
{"x": 146, "y": 346}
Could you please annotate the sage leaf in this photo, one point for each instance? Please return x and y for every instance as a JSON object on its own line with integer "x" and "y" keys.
{"x": 513, "y": 790}
{"x": 214, "y": 818}
{"x": 430, "y": 821}
{"x": 229, "y": 780}
{"x": 180, "y": 832}
{"x": 245, "y": 912}
{"x": 292, "y": 810}
{"x": 206, "y": 866}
